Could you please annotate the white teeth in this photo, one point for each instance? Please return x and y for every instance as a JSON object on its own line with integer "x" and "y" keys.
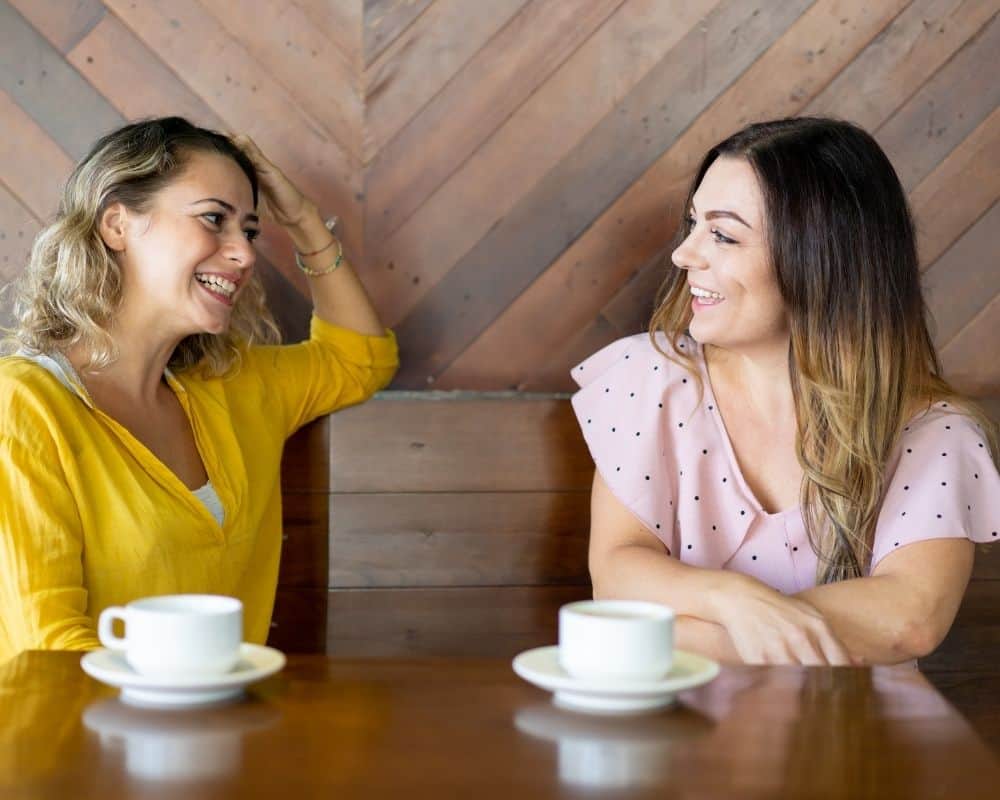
{"x": 218, "y": 283}
{"x": 697, "y": 292}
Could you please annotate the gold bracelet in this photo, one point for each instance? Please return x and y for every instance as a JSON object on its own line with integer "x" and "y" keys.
{"x": 327, "y": 246}
{"x": 329, "y": 224}
{"x": 317, "y": 272}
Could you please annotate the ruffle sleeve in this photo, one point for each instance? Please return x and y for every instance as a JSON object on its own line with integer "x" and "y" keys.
{"x": 944, "y": 485}
{"x": 620, "y": 408}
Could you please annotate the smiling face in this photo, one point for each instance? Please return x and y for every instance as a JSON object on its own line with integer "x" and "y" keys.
{"x": 735, "y": 297}
{"x": 186, "y": 258}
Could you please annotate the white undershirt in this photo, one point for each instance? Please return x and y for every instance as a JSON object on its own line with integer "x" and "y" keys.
{"x": 59, "y": 366}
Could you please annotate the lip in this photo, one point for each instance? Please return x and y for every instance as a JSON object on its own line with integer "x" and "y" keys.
{"x": 236, "y": 278}
{"x": 704, "y": 288}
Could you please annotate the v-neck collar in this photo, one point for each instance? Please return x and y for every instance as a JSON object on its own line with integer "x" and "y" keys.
{"x": 60, "y": 367}
{"x": 727, "y": 444}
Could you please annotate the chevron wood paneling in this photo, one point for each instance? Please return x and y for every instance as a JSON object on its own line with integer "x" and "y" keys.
{"x": 509, "y": 174}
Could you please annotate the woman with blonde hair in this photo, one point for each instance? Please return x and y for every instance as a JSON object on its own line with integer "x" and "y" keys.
{"x": 143, "y": 415}
{"x": 780, "y": 460}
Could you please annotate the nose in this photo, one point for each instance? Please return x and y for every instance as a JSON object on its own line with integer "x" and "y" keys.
{"x": 239, "y": 252}
{"x": 688, "y": 255}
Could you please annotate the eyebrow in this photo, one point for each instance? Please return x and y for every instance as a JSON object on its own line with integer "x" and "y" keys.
{"x": 725, "y": 214}
{"x": 228, "y": 206}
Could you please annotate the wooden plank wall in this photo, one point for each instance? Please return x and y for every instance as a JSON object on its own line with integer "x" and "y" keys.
{"x": 508, "y": 173}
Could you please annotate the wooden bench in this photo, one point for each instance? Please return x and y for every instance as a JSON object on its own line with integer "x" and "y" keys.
{"x": 456, "y": 524}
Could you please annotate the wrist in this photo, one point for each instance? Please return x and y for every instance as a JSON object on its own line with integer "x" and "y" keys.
{"x": 309, "y": 232}
{"x": 723, "y": 593}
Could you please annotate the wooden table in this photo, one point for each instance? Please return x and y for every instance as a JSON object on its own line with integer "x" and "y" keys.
{"x": 335, "y": 728}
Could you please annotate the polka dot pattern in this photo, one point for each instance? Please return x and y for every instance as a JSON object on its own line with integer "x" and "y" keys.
{"x": 674, "y": 469}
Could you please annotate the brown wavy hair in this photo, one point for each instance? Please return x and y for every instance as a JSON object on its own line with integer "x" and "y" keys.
{"x": 71, "y": 288}
{"x": 840, "y": 237}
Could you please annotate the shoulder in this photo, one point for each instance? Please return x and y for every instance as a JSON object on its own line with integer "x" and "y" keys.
{"x": 22, "y": 381}
{"x": 30, "y": 398}
{"x": 639, "y": 357}
{"x": 938, "y": 429}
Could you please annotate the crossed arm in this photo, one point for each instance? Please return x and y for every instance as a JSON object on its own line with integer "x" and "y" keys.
{"x": 901, "y": 611}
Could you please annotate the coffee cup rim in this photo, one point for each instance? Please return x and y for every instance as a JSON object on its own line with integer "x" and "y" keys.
{"x": 648, "y": 610}
{"x": 216, "y": 605}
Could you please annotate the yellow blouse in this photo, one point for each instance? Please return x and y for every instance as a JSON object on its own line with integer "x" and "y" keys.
{"x": 90, "y": 518}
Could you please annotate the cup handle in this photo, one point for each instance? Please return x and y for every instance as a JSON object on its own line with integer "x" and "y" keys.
{"x": 104, "y": 628}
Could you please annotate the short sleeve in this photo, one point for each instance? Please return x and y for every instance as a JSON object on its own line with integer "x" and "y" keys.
{"x": 620, "y": 408}
{"x": 944, "y": 485}
{"x": 334, "y": 368}
{"x": 43, "y": 600}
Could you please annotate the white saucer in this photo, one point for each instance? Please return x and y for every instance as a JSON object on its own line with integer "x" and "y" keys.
{"x": 541, "y": 667}
{"x": 108, "y": 666}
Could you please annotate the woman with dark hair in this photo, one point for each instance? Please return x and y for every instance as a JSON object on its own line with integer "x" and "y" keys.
{"x": 780, "y": 459}
{"x": 143, "y": 414}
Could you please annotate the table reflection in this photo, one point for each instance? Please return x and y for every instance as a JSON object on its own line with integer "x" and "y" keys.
{"x": 179, "y": 744}
{"x": 612, "y": 752}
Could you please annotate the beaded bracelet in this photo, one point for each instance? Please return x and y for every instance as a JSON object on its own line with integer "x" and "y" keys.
{"x": 316, "y": 272}
{"x": 330, "y": 224}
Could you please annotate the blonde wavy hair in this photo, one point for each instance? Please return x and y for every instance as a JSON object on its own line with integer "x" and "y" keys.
{"x": 71, "y": 289}
{"x": 841, "y": 240}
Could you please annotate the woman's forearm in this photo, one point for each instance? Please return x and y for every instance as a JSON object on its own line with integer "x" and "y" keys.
{"x": 880, "y": 619}
{"x": 338, "y": 297}
{"x": 641, "y": 573}
{"x": 634, "y": 572}
{"x": 905, "y": 608}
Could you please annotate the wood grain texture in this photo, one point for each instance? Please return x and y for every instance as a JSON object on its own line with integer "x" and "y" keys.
{"x": 957, "y": 286}
{"x": 297, "y": 54}
{"x": 959, "y": 189}
{"x": 945, "y": 110}
{"x": 478, "y": 100}
{"x": 599, "y": 263}
{"x": 62, "y": 22}
{"x": 36, "y": 76}
{"x": 388, "y": 445}
{"x": 108, "y": 49}
{"x": 962, "y": 355}
{"x": 18, "y": 227}
{"x": 425, "y": 728}
{"x": 919, "y": 42}
{"x": 973, "y": 644}
{"x": 423, "y": 59}
{"x": 444, "y": 538}
{"x": 340, "y": 22}
{"x": 34, "y": 167}
{"x": 529, "y": 237}
{"x": 384, "y": 20}
{"x": 466, "y": 622}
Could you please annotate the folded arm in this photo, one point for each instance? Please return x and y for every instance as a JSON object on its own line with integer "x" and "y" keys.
{"x": 900, "y": 612}
{"x": 905, "y": 608}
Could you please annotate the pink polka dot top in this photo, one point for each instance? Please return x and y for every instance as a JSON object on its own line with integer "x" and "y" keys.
{"x": 666, "y": 456}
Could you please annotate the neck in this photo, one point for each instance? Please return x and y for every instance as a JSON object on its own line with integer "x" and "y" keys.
{"x": 759, "y": 374}
{"x": 136, "y": 374}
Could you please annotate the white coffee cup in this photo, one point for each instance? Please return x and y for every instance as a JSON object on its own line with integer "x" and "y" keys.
{"x": 616, "y": 640}
{"x": 177, "y": 635}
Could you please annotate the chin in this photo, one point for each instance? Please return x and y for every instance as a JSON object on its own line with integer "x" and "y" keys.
{"x": 699, "y": 334}
{"x": 214, "y": 327}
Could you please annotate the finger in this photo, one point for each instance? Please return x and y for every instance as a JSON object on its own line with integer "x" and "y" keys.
{"x": 748, "y": 650}
{"x": 833, "y": 649}
{"x": 805, "y": 650}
